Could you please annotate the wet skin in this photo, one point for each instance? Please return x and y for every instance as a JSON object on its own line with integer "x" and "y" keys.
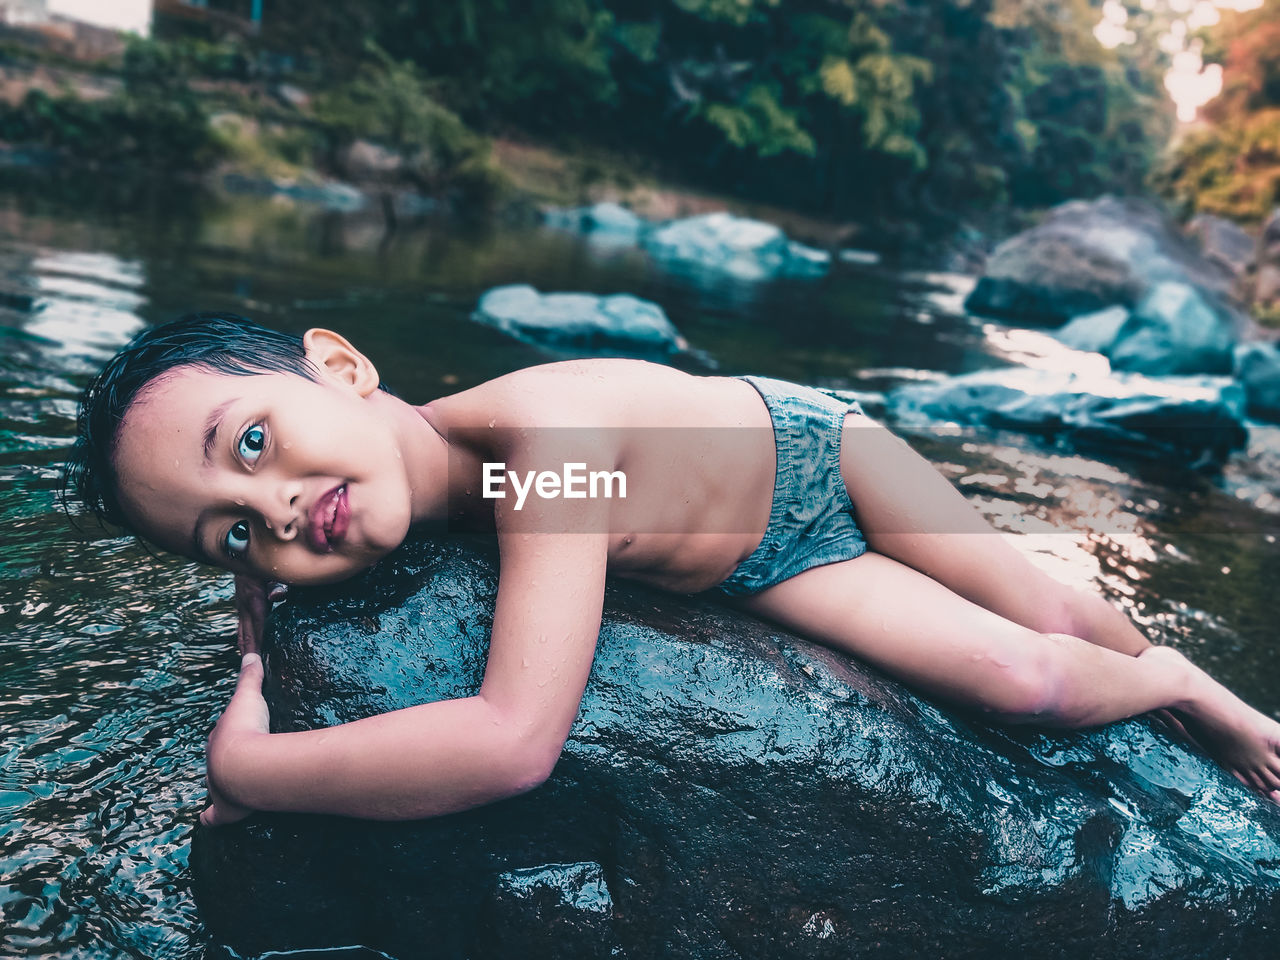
{"x": 286, "y": 479}
{"x": 277, "y": 477}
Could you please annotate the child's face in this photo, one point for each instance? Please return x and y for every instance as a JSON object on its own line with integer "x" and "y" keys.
{"x": 273, "y": 475}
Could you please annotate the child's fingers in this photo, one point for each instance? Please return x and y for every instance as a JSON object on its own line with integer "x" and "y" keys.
{"x": 248, "y": 708}
{"x": 218, "y": 814}
{"x": 251, "y": 672}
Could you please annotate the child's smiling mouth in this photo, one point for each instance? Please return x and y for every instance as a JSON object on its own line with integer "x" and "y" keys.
{"x": 328, "y": 519}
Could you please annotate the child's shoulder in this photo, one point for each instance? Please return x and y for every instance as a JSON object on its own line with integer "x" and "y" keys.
{"x": 566, "y": 393}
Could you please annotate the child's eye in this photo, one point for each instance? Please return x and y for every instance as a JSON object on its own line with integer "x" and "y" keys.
{"x": 238, "y": 539}
{"x": 252, "y": 442}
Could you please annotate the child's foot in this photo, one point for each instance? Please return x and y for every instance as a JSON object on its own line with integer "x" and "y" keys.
{"x": 1242, "y": 739}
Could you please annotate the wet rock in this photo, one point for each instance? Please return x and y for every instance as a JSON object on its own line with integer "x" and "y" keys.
{"x": 1171, "y": 331}
{"x": 736, "y": 246}
{"x": 1257, "y": 367}
{"x": 582, "y": 321}
{"x": 1193, "y": 420}
{"x": 1088, "y": 255}
{"x": 730, "y": 790}
{"x": 292, "y": 96}
{"x": 1270, "y": 242}
{"x": 607, "y": 218}
{"x": 1095, "y": 332}
{"x": 567, "y": 904}
{"x": 861, "y": 258}
{"x": 1225, "y": 243}
{"x": 332, "y": 194}
{"x": 365, "y": 160}
{"x": 1266, "y": 291}
{"x": 1267, "y": 286}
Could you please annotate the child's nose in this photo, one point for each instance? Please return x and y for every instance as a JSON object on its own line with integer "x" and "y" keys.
{"x": 282, "y": 515}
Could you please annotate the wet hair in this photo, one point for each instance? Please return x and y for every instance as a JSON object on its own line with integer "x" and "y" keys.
{"x": 220, "y": 342}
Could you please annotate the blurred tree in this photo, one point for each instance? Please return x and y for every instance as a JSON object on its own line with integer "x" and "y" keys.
{"x": 1231, "y": 165}
{"x": 849, "y": 107}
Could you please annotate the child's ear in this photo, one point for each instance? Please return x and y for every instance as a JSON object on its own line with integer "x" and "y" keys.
{"x": 337, "y": 359}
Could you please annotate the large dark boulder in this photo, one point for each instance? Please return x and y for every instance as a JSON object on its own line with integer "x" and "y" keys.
{"x": 1190, "y": 420}
{"x": 1091, "y": 254}
{"x": 730, "y": 790}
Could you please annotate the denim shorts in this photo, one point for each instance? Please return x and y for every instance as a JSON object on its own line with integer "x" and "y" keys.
{"x": 811, "y": 522}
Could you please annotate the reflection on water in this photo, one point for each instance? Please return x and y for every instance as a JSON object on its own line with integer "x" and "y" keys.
{"x": 116, "y": 662}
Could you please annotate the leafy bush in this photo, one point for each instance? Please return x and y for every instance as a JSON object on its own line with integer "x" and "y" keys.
{"x": 390, "y": 103}
{"x": 1232, "y": 166}
{"x": 156, "y": 132}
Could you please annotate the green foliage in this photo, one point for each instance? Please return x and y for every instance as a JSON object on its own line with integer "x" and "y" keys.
{"x": 390, "y": 102}
{"x": 157, "y": 121}
{"x": 544, "y": 66}
{"x": 841, "y": 106}
{"x": 846, "y": 107}
{"x": 759, "y": 122}
{"x": 158, "y": 62}
{"x": 1231, "y": 167}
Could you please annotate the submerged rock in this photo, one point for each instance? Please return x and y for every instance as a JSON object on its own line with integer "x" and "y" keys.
{"x": 581, "y": 321}
{"x": 1193, "y": 420}
{"x": 730, "y": 790}
{"x": 1091, "y": 254}
{"x": 737, "y": 246}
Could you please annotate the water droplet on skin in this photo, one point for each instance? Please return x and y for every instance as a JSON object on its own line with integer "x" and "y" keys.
{"x": 239, "y": 503}
{"x": 524, "y": 661}
{"x": 288, "y": 444}
{"x": 491, "y": 423}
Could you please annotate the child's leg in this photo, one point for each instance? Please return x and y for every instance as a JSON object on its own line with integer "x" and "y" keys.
{"x": 910, "y": 512}
{"x": 918, "y": 630}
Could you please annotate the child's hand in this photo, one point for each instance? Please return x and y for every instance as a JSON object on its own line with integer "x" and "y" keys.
{"x": 246, "y": 715}
{"x": 253, "y": 599}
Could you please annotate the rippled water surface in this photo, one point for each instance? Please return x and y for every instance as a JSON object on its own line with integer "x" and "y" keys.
{"x": 116, "y": 662}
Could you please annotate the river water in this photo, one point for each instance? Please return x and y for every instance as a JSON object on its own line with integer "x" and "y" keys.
{"x": 115, "y": 662}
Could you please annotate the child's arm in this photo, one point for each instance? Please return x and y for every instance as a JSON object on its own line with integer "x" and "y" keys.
{"x": 446, "y": 756}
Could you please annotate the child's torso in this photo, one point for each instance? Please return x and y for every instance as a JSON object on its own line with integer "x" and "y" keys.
{"x": 697, "y": 454}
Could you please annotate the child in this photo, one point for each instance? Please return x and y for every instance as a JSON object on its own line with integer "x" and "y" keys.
{"x": 284, "y": 460}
